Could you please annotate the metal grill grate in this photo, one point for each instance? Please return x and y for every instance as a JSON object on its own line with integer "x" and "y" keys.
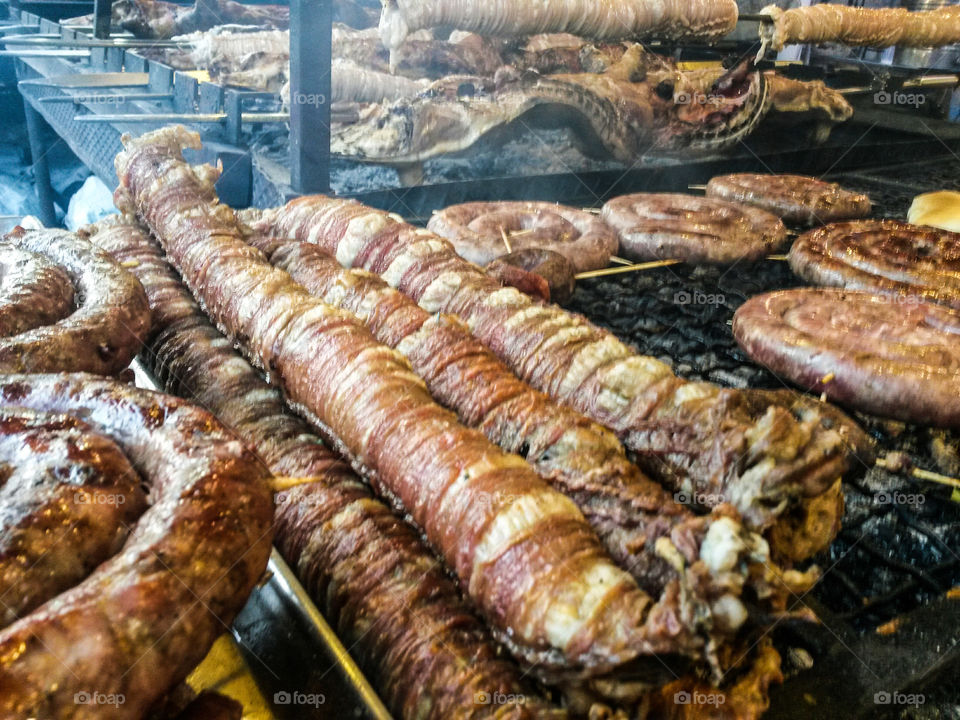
{"x": 890, "y": 557}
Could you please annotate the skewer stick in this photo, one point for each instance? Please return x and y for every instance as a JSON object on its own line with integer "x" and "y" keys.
{"x": 926, "y": 475}
{"x": 281, "y": 483}
{"x": 506, "y": 240}
{"x": 754, "y": 17}
{"x": 701, "y": 188}
{"x": 620, "y": 261}
{"x": 592, "y": 211}
{"x": 521, "y": 233}
{"x": 625, "y": 269}
{"x": 777, "y": 257}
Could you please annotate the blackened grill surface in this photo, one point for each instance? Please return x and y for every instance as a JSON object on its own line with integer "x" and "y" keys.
{"x": 900, "y": 544}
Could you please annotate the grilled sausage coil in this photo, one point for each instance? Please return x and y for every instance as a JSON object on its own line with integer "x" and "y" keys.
{"x": 663, "y": 226}
{"x": 481, "y": 232}
{"x": 797, "y": 199}
{"x": 104, "y": 333}
{"x": 885, "y": 256}
{"x": 143, "y": 619}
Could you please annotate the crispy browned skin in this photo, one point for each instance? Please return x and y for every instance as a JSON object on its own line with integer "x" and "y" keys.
{"x": 522, "y": 551}
{"x": 33, "y": 292}
{"x": 909, "y": 262}
{"x": 388, "y": 597}
{"x": 797, "y": 199}
{"x": 481, "y": 232}
{"x": 142, "y": 620}
{"x": 666, "y": 226}
{"x": 758, "y": 451}
{"x": 898, "y": 360}
{"x": 105, "y": 331}
{"x": 68, "y": 499}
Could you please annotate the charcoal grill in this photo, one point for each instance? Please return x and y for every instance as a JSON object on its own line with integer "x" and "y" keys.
{"x": 889, "y": 596}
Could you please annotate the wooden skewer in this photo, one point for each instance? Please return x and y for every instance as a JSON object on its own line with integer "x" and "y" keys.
{"x": 592, "y": 211}
{"x": 620, "y": 261}
{"x": 777, "y": 257}
{"x": 625, "y": 269}
{"x": 697, "y": 187}
{"x": 521, "y": 233}
{"x": 927, "y": 475}
{"x": 506, "y": 240}
{"x": 281, "y": 483}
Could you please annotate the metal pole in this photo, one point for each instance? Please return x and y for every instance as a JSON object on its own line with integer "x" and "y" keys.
{"x": 311, "y": 23}
{"x": 101, "y": 18}
{"x": 41, "y": 171}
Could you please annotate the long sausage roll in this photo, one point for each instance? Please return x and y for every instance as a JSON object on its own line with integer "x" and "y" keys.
{"x": 762, "y": 452}
{"x": 872, "y": 27}
{"x": 630, "y": 513}
{"x": 522, "y": 551}
{"x": 703, "y": 20}
{"x": 389, "y": 599}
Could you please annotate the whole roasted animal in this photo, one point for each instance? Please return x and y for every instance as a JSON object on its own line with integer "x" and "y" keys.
{"x": 66, "y": 306}
{"x": 163, "y": 20}
{"x": 77, "y": 449}
{"x": 700, "y": 20}
{"x": 522, "y": 551}
{"x": 642, "y": 104}
{"x": 261, "y": 61}
{"x": 798, "y": 199}
{"x": 849, "y": 25}
{"x": 762, "y": 452}
{"x": 908, "y": 262}
{"x": 893, "y": 359}
{"x": 390, "y": 601}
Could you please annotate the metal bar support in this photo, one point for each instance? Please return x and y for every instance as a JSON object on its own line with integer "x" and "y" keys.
{"x": 311, "y": 24}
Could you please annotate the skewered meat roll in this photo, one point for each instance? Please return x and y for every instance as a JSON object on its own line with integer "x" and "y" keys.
{"x": 522, "y": 551}
{"x": 703, "y": 20}
{"x": 871, "y": 27}
{"x": 389, "y": 599}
